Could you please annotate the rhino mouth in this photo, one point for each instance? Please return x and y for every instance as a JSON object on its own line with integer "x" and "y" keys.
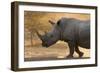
{"x": 45, "y": 45}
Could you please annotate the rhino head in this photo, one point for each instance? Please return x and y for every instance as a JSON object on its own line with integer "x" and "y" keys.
{"x": 51, "y": 37}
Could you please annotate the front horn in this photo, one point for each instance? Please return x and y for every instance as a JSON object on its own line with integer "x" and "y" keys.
{"x": 39, "y": 35}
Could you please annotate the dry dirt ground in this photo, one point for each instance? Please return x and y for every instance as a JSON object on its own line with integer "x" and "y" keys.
{"x": 57, "y": 51}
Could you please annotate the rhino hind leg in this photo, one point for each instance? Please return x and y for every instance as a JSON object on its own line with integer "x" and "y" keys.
{"x": 78, "y": 51}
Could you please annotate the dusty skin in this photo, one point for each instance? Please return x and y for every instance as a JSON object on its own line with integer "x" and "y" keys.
{"x": 33, "y": 49}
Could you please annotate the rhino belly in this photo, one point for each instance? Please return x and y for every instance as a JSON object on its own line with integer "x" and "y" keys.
{"x": 85, "y": 44}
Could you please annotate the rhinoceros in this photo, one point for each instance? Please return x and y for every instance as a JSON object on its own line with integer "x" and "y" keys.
{"x": 70, "y": 30}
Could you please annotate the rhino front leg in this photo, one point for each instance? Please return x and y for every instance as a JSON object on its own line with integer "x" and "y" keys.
{"x": 71, "y": 49}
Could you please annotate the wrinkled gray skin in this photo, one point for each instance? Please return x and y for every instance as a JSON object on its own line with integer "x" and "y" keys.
{"x": 74, "y": 32}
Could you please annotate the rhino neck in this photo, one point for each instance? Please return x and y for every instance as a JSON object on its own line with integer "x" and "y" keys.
{"x": 61, "y": 35}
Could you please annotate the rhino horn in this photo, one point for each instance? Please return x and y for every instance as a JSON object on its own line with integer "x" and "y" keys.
{"x": 52, "y": 22}
{"x": 39, "y": 35}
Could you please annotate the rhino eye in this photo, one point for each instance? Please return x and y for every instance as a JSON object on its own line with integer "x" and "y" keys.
{"x": 51, "y": 36}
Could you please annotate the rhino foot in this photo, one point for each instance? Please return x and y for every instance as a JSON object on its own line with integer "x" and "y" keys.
{"x": 70, "y": 56}
{"x": 81, "y": 54}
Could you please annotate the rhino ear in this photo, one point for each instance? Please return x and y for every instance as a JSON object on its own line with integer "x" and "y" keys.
{"x": 58, "y": 23}
{"x": 52, "y": 22}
